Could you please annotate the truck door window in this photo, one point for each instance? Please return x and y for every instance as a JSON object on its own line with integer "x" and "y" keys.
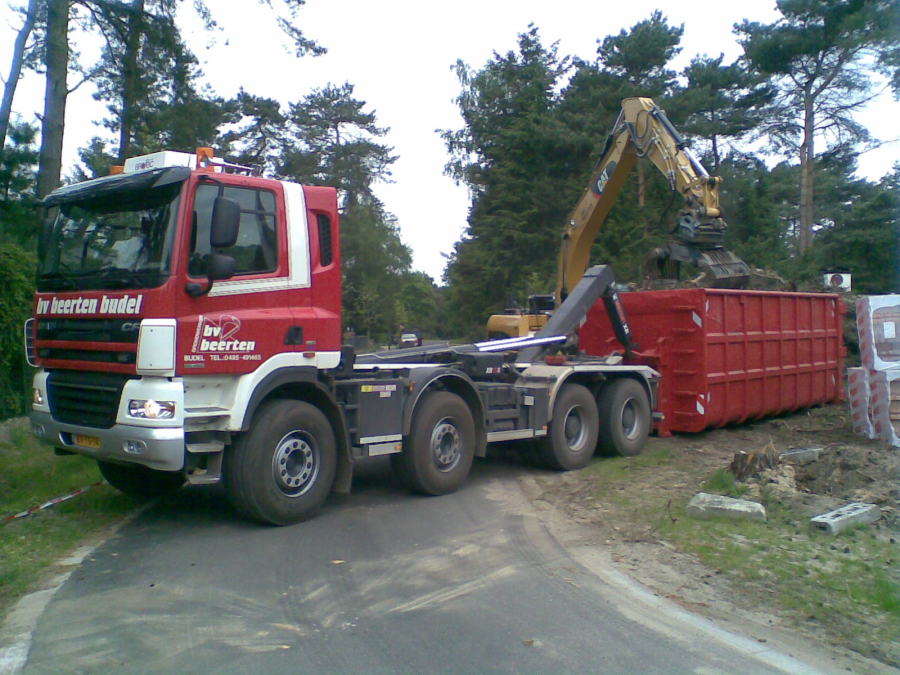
{"x": 256, "y": 249}
{"x": 326, "y": 246}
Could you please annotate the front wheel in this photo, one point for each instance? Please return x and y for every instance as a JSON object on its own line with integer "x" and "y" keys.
{"x": 140, "y": 481}
{"x": 573, "y": 430}
{"x": 625, "y": 417}
{"x": 282, "y": 470}
{"x": 441, "y": 445}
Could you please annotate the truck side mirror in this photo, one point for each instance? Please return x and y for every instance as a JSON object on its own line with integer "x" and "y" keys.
{"x": 226, "y": 219}
{"x": 219, "y": 266}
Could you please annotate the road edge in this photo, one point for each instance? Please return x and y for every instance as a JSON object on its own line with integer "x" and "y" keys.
{"x": 774, "y": 648}
{"x": 21, "y": 620}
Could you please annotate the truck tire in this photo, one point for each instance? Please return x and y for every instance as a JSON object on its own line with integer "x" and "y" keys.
{"x": 281, "y": 470}
{"x": 573, "y": 430}
{"x": 625, "y": 414}
{"x": 140, "y": 481}
{"x": 439, "y": 450}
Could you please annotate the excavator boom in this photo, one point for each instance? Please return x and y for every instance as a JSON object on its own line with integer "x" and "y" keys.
{"x": 642, "y": 130}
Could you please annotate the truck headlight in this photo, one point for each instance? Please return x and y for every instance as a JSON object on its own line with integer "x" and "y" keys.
{"x": 151, "y": 409}
{"x": 37, "y": 396}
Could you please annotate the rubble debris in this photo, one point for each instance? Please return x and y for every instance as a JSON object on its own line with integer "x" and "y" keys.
{"x": 801, "y": 455}
{"x": 855, "y": 513}
{"x": 705, "y": 505}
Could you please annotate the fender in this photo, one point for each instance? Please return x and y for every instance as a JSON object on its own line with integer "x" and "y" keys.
{"x": 307, "y": 375}
{"x": 423, "y": 380}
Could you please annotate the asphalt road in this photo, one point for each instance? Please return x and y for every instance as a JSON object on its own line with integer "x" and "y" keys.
{"x": 380, "y": 581}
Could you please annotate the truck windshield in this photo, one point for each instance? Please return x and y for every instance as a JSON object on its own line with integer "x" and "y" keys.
{"x": 115, "y": 241}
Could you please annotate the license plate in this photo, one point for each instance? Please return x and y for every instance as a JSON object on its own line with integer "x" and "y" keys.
{"x": 87, "y": 441}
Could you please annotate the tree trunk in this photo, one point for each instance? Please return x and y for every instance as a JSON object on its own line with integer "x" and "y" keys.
{"x": 641, "y": 186}
{"x": 130, "y": 77}
{"x": 715, "y": 153}
{"x": 15, "y": 70}
{"x": 54, "y": 120}
{"x": 807, "y": 165}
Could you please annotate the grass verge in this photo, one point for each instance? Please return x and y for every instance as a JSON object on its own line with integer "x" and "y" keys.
{"x": 846, "y": 586}
{"x": 31, "y": 474}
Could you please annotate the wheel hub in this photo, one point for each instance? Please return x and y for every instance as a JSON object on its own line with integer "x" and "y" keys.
{"x": 445, "y": 445}
{"x": 630, "y": 420}
{"x": 295, "y": 464}
{"x": 575, "y": 429}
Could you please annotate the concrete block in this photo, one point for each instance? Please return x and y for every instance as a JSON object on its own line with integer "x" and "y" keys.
{"x": 840, "y": 519}
{"x": 801, "y": 455}
{"x": 704, "y": 505}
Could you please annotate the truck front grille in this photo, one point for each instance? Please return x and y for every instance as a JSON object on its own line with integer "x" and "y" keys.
{"x": 89, "y": 330}
{"x": 87, "y": 355}
{"x": 86, "y": 399}
{"x": 112, "y": 341}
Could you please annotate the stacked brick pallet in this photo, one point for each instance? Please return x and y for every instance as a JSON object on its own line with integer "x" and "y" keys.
{"x": 874, "y": 388}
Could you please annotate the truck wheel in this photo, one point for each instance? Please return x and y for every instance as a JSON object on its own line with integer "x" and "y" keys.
{"x": 573, "y": 430}
{"x": 440, "y": 447}
{"x": 625, "y": 411}
{"x": 281, "y": 470}
{"x": 140, "y": 481}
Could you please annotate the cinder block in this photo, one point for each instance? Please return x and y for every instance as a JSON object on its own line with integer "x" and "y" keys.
{"x": 705, "y": 505}
{"x": 855, "y": 513}
{"x": 801, "y": 455}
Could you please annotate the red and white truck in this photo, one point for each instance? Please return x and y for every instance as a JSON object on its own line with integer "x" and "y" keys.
{"x": 187, "y": 328}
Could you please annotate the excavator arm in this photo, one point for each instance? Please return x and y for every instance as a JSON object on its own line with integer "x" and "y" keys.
{"x": 643, "y": 130}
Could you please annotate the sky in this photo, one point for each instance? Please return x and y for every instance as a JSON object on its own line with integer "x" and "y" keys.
{"x": 399, "y": 54}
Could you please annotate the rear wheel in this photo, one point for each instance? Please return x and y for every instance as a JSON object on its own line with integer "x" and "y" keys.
{"x": 573, "y": 430}
{"x": 282, "y": 470}
{"x": 140, "y": 481}
{"x": 625, "y": 414}
{"x": 440, "y": 447}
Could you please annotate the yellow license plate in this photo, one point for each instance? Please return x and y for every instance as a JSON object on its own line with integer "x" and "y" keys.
{"x": 87, "y": 441}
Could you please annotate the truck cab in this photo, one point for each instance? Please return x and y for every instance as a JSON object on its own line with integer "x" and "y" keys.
{"x": 131, "y": 335}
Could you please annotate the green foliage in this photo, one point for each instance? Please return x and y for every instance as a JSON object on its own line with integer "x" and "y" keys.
{"x": 640, "y": 55}
{"x": 720, "y": 102}
{"x": 328, "y": 138}
{"x": 256, "y": 137}
{"x": 375, "y": 266}
{"x": 331, "y": 141}
{"x": 516, "y": 159}
{"x": 17, "y": 280}
{"x": 29, "y": 475}
{"x": 860, "y": 230}
{"x": 723, "y": 482}
{"x": 18, "y": 161}
{"x": 818, "y": 57}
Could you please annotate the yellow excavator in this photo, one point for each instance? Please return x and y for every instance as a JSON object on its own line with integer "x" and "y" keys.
{"x": 641, "y": 130}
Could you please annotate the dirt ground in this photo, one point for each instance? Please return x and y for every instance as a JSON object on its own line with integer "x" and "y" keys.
{"x": 850, "y": 468}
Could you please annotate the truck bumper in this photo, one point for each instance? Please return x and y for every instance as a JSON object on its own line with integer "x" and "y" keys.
{"x": 160, "y": 448}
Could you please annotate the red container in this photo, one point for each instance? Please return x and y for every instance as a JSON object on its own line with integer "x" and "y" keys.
{"x": 727, "y": 357}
